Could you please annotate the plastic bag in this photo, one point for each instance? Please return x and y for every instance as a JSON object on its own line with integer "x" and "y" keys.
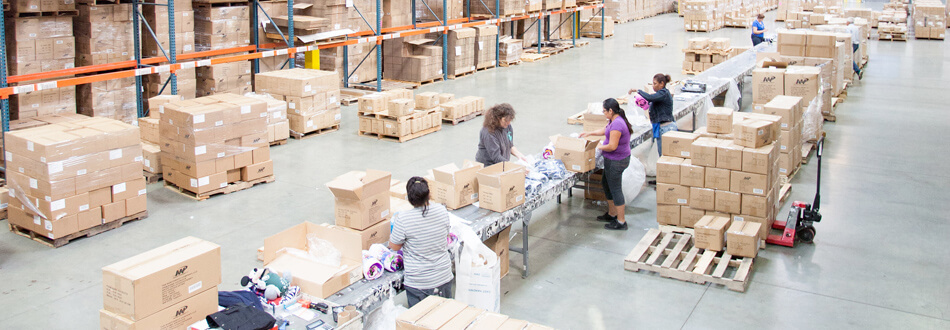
{"x": 633, "y": 179}
{"x": 384, "y": 317}
{"x": 552, "y": 169}
{"x": 647, "y": 155}
{"x": 478, "y": 273}
{"x": 323, "y": 251}
{"x": 813, "y": 120}
{"x": 532, "y": 187}
{"x": 598, "y": 159}
{"x": 732, "y": 95}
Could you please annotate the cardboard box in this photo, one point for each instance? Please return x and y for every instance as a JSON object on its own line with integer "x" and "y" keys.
{"x": 177, "y": 316}
{"x": 427, "y": 100}
{"x": 766, "y": 223}
{"x": 668, "y": 169}
{"x": 728, "y": 202}
{"x": 698, "y": 43}
{"x": 767, "y": 83}
{"x": 455, "y": 186}
{"x": 757, "y": 206}
{"x": 759, "y": 160}
{"x": 711, "y": 232}
{"x": 142, "y": 285}
{"x": 501, "y": 186}
{"x": 742, "y": 239}
{"x": 689, "y": 216}
{"x": 433, "y": 312}
{"x": 703, "y": 151}
{"x": 750, "y": 183}
{"x": 361, "y": 198}
{"x": 719, "y": 120}
{"x": 315, "y": 278}
{"x": 802, "y": 81}
{"x": 668, "y": 215}
{"x": 717, "y": 178}
{"x": 672, "y": 194}
{"x": 787, "y": 107}
{"x": 464, "y": 319}
{"x": 500, "y": 243}
{"x": 692, "y": 175}
{"x": 752, "y": 133}
{"x": 702, "y": 198}
{"x": 678, "y": 144}
{"x": 576, "y": 154}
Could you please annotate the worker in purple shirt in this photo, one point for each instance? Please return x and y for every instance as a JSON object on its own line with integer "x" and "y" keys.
{"x": 616, "y": 151}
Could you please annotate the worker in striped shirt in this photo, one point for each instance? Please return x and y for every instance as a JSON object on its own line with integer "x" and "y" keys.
{"x": 422, "y": 234}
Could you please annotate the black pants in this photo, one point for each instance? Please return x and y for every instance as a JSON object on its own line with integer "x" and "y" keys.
{"x": 613, "y": 179}
{"x": 757, "y": 40}
{"x": 416, "y": 295}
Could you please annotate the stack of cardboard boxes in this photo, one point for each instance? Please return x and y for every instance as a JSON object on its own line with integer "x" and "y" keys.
{"x": 399, "y": 114}
{"x": 221, "y": 27}
{"x": 210, "y": 142}
{"x": 831, "y": 52}
{"x": 48, "y": 7}
{"x": 396, "y": 13}
{"x": 789, "y": 108}
{"x": 341, "y": 15}
{"x": 233, "y": 77}
{"x": 71, "y": 176}
{"x": 455, "y": 9}
{"x": 184, "y": 36}
{"x": 930, "y": 20}
{"x": 278, "y": 126}
{"x": 701, "y": 15}
{"x": 593, "y": 26}
{"x": 103, "y": 36}
{"x": 704, "y": 53}
{"x": 509, "y": 51}
{"x": 619, "y": 10}
{"x": 462, "y": 45}
{"x": 362, "y": 204}
{"x": 454, "y": 186}
{"x": 508, "y": 8}
{"x": 439, "y": 313}
{"x": 785, "y": 7}
{"x": 362, "y": 62}
{"x": 412, "y": 58}
{"x": 891, "y": 31}
{"x": 485, "y": 36}
{"x": 730, "y": 171}
{"x": 39, "y": 44}
{"x": 312, "y": 96}
{"x": 169, "y": 287}
{"x": 462, "y": 109}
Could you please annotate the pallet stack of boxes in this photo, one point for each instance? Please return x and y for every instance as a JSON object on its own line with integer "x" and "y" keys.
{"x": 930, "y": 20}
{"x": 508, "y": 8}
{"x": 339, "y": 16}
{"x": 485, "y": 46}
{"x": 462, "y": 109}
{"x": 222, "y": 27}
{"x": 39, "y": 44}
{"x": 362, "y": 201}
{"x": 509, "y": 51}
{"x": 593, "y": 26}
{"x": 729, "y": 174}
{"x": 785, "y": 7}
{"x": 362, "y": 62}
{"x": 831, "y": 53}
{"x": 312, "y": 96}
{"x": 151, "y": 152}
{"x": 704, "y": 53}
{"x": 103, "y": 36}
{"x": 702, "y": 16}
{"x": 398, "y": 114}
{"x": 789, "y": 108}
{"x": 412, "y": 58}
{"x": 454, "y": 8}
{"x": 68, "y": 177}
{"x": 397, "y": 13}
{"x": 462, "y": 45}
{"x": 169, "y": 287}
{"x": 278, "y": 126}
{"x": 184, "y": 36}
{"x": 210, "y": 142}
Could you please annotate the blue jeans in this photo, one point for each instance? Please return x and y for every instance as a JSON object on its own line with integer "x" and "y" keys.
{"x": 854, "y": 48}
{"x": 663, "y": 129}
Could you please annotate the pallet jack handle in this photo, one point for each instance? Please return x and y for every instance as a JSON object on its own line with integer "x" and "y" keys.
{"x": 815, "y": 205}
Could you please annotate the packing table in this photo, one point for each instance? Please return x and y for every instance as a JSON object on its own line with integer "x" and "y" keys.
{"x": 368, "y": 295}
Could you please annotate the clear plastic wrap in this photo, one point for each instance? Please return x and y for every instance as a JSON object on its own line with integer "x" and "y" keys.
{"x": 221, "y": 27}
{"x": 323, "y": 251}
{"x": 812, "y": 121}
{"x": 551, "y": 169}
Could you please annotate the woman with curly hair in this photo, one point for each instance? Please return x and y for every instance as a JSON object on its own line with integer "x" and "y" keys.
{"x": 496, "y": 140}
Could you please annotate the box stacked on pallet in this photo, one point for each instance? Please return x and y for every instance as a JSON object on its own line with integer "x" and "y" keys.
{"x": 434, "y": 12}
{"x": 701, "y": 15}
{"x": 509, "y": 51}
{"x": 69, "y": 177}
{"x": 210, "y": 142}
{"x": 312, "y": 96}
{"x": 397, "y": 13}
{"x": 151, "y": 135}
{"x": 485, "y": 46}
{"x": 103, "y": 34}
{"x": 278, "y": 126}
{"x": 412, "y": 59}
{"x": 508, "y": 8}
{"x": 39, "y": 44}
{"x": 233, "y": 77}
{"x": 45, "y": 8}
{"x": 361, "y": 65}
{"x": 733, "y": 175}
{"x": 704, "y": 53}
{"x": 400, "y": 115}
{"x": 113, "y": 99}
{"x": 593, "y": 26}
{"x": 221, "y": 27}
{"x": 168, "y": 287}
{"x": 930, "y": 19}
{"x": 461, "y": 57}
{"x": 619, "y": 10}
{"x": 789, "y": 108}
{"x": 340, "y": 15}
{"x": 462, "y": 109}
{"x": 184, "y": 36}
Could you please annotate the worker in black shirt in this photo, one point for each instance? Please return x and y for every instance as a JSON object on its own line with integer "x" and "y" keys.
{"x": 661, "y": 109}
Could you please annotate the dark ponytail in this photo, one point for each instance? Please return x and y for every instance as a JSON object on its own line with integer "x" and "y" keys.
{"x": 662, "y": 78}
{"x": 417, "y": 192}
{"x": 614, "y": 106}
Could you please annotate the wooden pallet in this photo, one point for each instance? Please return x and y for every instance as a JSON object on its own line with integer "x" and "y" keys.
{"x": 807, "y": 147}
{"x": 655, "y": 44}
{"x": 691, "y": 231}
{"x": 673, "y": 255}
{"x": 89, "y": 232}
{"x": 892, "y": 37}
{"x": 691, "y": 72}
{"x": 231, "y": 188}
{"x": 617, "y": 21}
{"x": 58, "y": 13}
{"x": 151, "y": 178}
{"x": 102, "y": 2}
{"x": 577, "y": 118}
{"x": 460, "y": 75}
{"x": 350, "y": 96}
{"x": 548, "y": 50}
{"x": 831, "y": 118}
{"x": 507, "y": 64}
{"x": 3, "y": 214}
{"x": 595, "y": 35}
{"x": 484, "y": 68}
{"x": 786, "y": 189}
{"x": 724, "y": 52}
{"x": 462, "y": 119}
{"x": 531, "y": 57}
{"x": 389, "y": 85}
{"x": 402, "y": 139}
{"x": 928, "y": 38}
{"x": 279, "y": 143}
{"x": 322, "y": 131}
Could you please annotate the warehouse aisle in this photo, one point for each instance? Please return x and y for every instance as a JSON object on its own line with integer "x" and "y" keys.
{"x": 877, "y": 262}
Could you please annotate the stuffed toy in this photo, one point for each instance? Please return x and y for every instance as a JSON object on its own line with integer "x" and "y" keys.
{"x": 267, "y": 282}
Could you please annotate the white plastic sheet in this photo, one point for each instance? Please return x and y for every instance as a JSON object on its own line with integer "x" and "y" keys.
{"x": 633, "y": 179}
{"x": 384, "y": 317}
{"x": 477, "y": 273}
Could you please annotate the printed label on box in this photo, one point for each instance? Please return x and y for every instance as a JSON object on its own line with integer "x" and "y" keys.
{"x": 757, "y": 191}
{"x": 58, "y": 205}
{"x": 199, "y": 119}
{"x": 194, "y": 287}
{"x": 84, "y": 207}
{"x": 81, "y": 172}
{"x": 201, "y": 150}
{"x": 245, "y": 109}
{"x": 142, "y": 192}
{"x": 33, "y": 183}
{"x": 55, "y": 167}
{"x": 204, "y": 181}
{"x": 115, "y": 154}
{"x": 118, "y": 189}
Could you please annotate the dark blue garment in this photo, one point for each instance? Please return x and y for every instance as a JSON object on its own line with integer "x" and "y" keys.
{"x": 231, "y": 298}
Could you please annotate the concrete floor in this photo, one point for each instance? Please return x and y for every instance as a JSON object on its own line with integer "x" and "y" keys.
{"x": 876, "y": 262}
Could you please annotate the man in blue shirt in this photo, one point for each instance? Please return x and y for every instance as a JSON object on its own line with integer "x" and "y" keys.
{"x": 758, "y": 30}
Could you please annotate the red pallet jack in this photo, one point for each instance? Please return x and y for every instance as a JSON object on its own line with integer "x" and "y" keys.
{"x": 801, "y": 217}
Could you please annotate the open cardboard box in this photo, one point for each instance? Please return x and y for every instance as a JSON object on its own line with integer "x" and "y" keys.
{"x": 501, "y": 186}
{"x": 578, "y": 155}
{"x": 362, "y": 198}
{"x": 456, "y": 186}
{"x": 315, "y": 278}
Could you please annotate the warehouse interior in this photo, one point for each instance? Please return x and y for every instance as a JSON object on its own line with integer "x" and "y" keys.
{"x": 870, "y": 266}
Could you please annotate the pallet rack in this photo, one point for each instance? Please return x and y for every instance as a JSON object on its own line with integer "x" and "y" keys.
{"x": 170, "y": 62}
